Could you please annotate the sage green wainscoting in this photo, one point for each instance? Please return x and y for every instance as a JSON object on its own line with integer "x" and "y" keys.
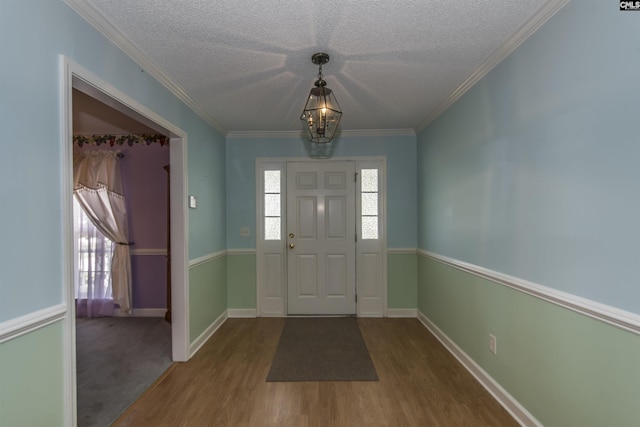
{"x": 241, "y": 280}
{"x": 401, "y": 276}
{"x": 207, "y": 294}
{"x": 402, "y": 279}
{"x": 31, "y": 378}
{"x": 565, "y": 368}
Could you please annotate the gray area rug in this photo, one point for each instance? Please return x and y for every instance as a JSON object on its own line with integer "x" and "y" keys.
{"x": 131, "y": 353}
{"x": 322, "y": 349}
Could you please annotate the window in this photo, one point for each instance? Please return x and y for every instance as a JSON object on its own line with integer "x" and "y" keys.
{"x": 369, "y": 203}
{"x": 94, "y": 252}
{"x": 272, "y": 205}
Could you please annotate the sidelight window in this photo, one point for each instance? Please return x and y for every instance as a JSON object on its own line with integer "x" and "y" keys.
{"x": 370, "y": 204}
{"x": 272, "y": 205}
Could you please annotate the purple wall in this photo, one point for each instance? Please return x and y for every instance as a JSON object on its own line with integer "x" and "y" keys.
{"x": 149, "y": 275}
{"x": 145, "y": 186}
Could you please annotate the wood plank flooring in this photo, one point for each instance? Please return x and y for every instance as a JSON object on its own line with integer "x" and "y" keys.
{"x": 421, "y": 384}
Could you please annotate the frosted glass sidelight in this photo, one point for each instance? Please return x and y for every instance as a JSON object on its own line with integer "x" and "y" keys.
{"x": 272, "y": 229}
{"x": 272, "y": 182}
{"x": 369, "y": 227}
{"x": 272, "y": 205}
{"x": 369, "y": 180}
{"x": 369, "y": 204}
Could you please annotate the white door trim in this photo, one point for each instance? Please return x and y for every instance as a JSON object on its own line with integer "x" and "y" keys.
{"x": 371, "y": 255}
{"x": 75, "y": 76}
{"x": 270, "y": 256}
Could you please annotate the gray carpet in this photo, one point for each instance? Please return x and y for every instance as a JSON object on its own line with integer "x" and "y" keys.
{"x": 322, "y": 349}
{"x": 133, "y": 352}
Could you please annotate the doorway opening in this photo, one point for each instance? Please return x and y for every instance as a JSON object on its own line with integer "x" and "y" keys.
{"x": 77, "y": 79}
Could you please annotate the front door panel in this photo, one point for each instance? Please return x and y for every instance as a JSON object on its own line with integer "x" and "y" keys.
{"x": 321, "y": 238}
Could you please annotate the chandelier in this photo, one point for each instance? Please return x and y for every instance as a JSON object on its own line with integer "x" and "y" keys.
{"x": 321, "y": 114}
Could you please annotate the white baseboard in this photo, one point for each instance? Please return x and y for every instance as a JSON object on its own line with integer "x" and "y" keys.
{"x": 141, "y": 312}
{"x": 208, "y": 333}
{"x": 402, "y": 312}
{"x": 242, "y": 312}
{"x": 508, "y": 402}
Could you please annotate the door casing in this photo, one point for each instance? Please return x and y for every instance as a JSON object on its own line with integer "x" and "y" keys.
{"x": 75, "y": 76}
{"x": 271, "y": 264}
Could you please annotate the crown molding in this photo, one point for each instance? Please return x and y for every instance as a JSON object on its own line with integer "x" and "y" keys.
{"x": 265, "y": 134}
{"x": 91, "y": 15}
{"x": 376, "y": 132}
{"x": 531, "y": 26}
{"x": 341, "y": 133}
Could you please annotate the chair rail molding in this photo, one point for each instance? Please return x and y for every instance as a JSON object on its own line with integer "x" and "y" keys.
{"x": 30, "y": 322}
{"x": 605, "y": 313}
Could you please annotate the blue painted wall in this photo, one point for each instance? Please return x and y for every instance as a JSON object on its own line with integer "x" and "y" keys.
{"x": 400, "y": 151}
{"x": 34, "y": 33}
{"x": 535, "y": 172}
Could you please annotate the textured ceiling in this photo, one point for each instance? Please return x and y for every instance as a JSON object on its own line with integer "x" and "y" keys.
{"x": 246, "y": 64}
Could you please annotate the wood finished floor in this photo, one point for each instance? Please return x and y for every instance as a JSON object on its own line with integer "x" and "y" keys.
{"x": 420, "y": 384}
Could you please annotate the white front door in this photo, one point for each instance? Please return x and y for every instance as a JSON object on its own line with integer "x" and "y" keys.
{"x": 321, "y": 231}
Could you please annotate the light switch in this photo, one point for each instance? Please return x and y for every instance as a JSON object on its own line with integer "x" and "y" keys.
{"x": 193, "y": 202}
{"x": 244, "y": 231}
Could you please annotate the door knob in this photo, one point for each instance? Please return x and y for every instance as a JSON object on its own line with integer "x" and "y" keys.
{"x": 291, "y": 245}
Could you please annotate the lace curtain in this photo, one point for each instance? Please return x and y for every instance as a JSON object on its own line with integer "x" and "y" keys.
{"x": 92, "y": 279}
{"x": 98, "y": 190}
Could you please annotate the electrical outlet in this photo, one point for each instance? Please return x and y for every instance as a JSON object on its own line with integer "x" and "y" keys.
{"x": 244, "y": 231}
{"x": 493, "y": 344}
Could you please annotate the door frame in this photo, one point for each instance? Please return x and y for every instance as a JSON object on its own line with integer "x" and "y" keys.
{"x": 75, "y": 76}
{"x": 271, "y": 267}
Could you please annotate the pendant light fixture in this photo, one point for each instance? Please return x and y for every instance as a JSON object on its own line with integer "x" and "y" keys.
{"x": 321, "y": 114}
